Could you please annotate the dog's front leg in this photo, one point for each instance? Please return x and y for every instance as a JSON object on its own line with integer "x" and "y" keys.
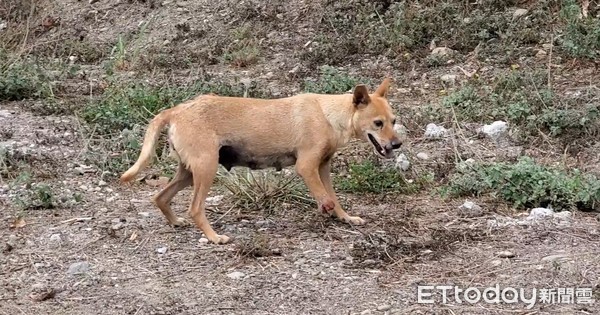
{"x": 325, "y": 174}
{"x": 308, "y": 169}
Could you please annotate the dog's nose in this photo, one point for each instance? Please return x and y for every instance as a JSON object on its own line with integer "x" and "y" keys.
{"x": 395, "y": 143}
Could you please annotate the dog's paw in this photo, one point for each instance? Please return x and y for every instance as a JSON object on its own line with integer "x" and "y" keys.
{"x": 354, "y": 220}
{"x": 181, "y": 222}
{"x": 327, "y": 206}
{"x": 220, "y": 239}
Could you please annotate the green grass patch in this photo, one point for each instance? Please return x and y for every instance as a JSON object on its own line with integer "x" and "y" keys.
{"x": 333, "y": 81}
{"x": 527, "y": 184}
{"x": 369, "y": 177}
{"x": 22, "y": 78}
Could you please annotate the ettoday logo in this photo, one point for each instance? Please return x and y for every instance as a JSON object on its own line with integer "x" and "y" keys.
{"x": 508, "y": 295}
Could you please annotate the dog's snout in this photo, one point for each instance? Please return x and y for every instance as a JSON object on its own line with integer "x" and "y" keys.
{"x": 395, "y": 143}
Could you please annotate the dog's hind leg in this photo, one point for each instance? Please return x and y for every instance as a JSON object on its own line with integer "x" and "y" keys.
{"x": 204, "y": 169}
{"x": 162, "y": 200}
{"x": 325, "y": 174}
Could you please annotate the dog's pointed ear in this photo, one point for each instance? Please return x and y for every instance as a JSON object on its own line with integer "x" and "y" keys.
{"x": 361, "y": 95}
{"x": 383, "y": 89}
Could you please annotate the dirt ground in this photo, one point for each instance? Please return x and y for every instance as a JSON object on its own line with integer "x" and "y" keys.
{"x": 112, "y": 252}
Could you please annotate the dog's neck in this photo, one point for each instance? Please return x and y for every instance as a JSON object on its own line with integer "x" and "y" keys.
{"x": 340, "y": 114}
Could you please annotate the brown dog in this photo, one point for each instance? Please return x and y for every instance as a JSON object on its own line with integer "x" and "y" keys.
{"x": 303, "y": 130}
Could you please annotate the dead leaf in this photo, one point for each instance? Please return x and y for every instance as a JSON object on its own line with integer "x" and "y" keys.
{"x": 133, "y": 236}
{"x": 159, "y": 182}
{"x": 19, "y": 223}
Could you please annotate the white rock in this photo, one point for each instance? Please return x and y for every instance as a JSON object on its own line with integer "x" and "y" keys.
{"x": 422, "y": 156}
{"x": 495, "y": 130}
{"x": 102, "y": 183}
{"x": 55, "y": 238}
{"x": 383, "y": 308}
{"x": 402, "y": 162}
{"x": 441, "y": 51}
{"x": 540, "y": 214}
{"x": 519, "y": 13}
{"x": 563, "y": 215}
{"x": 433, "y": 131}
{"x": 161, "y": 250}
{"x": 203, "y": 240}
{"x": 214, "y": 200}
{"x": 144, "y": 214}
{"x": 471, "y": 209}
{"x": 236, "y": 275}
{"x": 448, "y": 78}
{"x": 557, "y": 257}
{"x": 496, "y": 262}
{"x": 78, "y": 268}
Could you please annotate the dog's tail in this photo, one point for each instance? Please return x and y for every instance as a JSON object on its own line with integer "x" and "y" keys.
{"x": 150, "y": 138}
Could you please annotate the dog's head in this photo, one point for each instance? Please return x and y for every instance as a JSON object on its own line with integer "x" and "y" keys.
{"x": 374, "y": 120}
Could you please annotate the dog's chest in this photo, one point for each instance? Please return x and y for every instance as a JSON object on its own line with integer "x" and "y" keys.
{"x": 230, "y": 156}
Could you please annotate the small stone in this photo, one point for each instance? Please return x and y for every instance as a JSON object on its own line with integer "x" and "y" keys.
{"x": 366, "y": 312}
{"x": 422, "y": 156}
{"x": 236, "y": 275}
{"x": 81, "y": 267}
{"x": 519, "y": 13}
{"x": 563, "y": 215}
{"x": 505, "y": 254}
{"x": 541, "y": 54}
{"x": 496, "y": 263}
{"x": 144, "y": 214}
{"x": 203, "y": 240}
{"x": 433, "y": 131}
{"x": 495, "y": 130}
{"x": 55, "y": 238}
{"x": 384, "y": 308}
{"x": 161, "y": 250}
{"x": 117, "y": 226}
{"x": 214, "y": 200}
{"x": 441, "y": 51}
{"x": 448, "y": 78}
{"x": 556, "y": 257}
{"x": 12, "y": 239}
{"x": 470, "y": 209}
{"x": 102, "y": 183}
{"x": 540, "y": 214}
{"x": 402, "y": 162}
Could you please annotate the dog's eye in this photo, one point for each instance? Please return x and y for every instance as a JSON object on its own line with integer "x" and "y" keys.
{"x": 379, "y": 123}
{"x": 394, "y": 121}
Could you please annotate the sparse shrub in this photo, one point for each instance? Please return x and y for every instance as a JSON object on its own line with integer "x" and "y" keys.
{"x": 21, "y": 79}
{"x": 524, "y": 100}
{"x": 526, "y": 184}
{"x": 581, "y": 36}
{"x": 332, "y": 81}
{"x": 32, "y": 195}
{"x": 122, "y": 107}
{"x": 265, "y": 189}
{"x": 244, "y": 49}
{"x": 367, "y": 177}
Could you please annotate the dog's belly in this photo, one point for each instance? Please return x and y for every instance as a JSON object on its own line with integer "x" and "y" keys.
{"x": 230, "y": 156}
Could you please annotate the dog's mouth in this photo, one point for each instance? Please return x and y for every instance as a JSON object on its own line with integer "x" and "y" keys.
{"x": 382, "y": 151}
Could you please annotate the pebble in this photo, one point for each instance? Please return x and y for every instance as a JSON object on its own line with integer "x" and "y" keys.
{"x": 540, "y": 213}
{"x": 471, "y": 209}
{"x": 144, "y": 214}
{"x": 557, "y": 257}
{"x": 433, "y": 131}
{"x": 496, "y": 262}
{"x": 78, "y": 268}
{"x": 448, "y": 78}
{"x": 402, "y": 162}
{"x": 519, "y": 13}
{"x": 422, "y": 156}
{"x": 505, "y": 254}
{"x": 384, "y": 308}
{"x": 55, "y": 238}
{"x": 203, "y": 240}
{"x": 102, "y": 183}
{"x": 495, "y": 130}
{"x": 161, "y": 250}
{"x": 236, "y": 275}
{"x": 117, "y": 226}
